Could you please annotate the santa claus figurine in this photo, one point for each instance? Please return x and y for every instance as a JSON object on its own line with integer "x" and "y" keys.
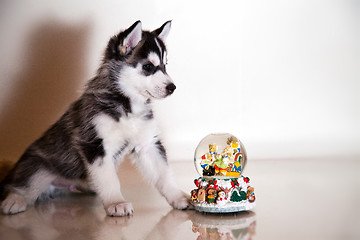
{"x": 221, "y": 199}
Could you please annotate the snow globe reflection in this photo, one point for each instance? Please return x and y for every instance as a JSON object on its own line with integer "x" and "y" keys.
{"x": 239, "y": 226}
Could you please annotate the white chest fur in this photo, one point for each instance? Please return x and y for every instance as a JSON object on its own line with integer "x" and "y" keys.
{"x": 133, "y": 130}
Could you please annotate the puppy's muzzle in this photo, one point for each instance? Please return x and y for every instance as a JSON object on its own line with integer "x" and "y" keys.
{"x": 170, "y": 88}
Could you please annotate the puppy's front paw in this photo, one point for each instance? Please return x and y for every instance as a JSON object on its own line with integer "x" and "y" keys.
{"x": 119, "y": 209}
{"x": 14, "y": 203}
{"x": 181, "y": 202}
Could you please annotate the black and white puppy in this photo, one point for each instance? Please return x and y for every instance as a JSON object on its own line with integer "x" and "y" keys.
{"x": 113, "y": 118}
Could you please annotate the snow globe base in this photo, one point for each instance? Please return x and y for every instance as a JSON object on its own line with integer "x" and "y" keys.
{"x": 223, "y": 195}
{"x": 238, "y": 207}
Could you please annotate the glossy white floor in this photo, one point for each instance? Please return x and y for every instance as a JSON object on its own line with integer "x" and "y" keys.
{"x": 296, "y": 199}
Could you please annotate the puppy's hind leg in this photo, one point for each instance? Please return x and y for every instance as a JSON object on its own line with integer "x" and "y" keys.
{"x": 19, "y": 196}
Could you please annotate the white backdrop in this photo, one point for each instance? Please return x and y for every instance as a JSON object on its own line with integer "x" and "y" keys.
{"x": 283, "y": 76}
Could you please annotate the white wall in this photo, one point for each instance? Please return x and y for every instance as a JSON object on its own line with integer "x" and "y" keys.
{"x": 283, "y": 76}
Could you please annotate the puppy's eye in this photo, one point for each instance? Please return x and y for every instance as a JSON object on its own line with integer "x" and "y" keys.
{"x": 149, "y": 67}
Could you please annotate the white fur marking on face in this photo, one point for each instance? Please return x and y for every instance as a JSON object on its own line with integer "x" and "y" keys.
{"x": 154, "y": 58}
{"x": 139, "y": 87}
{"x": 165, "y": 58}
{"x": 158, "y": 45}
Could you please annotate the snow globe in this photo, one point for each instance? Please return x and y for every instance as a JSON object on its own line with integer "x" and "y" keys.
{"x": 220, "y": 160}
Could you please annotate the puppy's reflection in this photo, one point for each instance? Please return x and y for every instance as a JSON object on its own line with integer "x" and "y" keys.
{"x": 72, "y": 215}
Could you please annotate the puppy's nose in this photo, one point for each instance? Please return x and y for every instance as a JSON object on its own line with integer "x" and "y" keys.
{"x": 170, "y": 88}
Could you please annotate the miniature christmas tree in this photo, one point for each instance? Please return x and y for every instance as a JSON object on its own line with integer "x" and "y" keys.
{"x": 235, "y": 197}
{"x": 243, "y": 195}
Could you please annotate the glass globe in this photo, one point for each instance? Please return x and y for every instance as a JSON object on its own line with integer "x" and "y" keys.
{"x": 221, "y": 155}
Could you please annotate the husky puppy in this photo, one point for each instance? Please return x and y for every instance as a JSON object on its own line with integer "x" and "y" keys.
{"x": 113, "y": 118}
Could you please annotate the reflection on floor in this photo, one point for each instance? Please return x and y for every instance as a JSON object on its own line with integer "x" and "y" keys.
{"x": 296, "y": 199}
{"x": 79, "y": 216}
{"x": 241, "y": 225}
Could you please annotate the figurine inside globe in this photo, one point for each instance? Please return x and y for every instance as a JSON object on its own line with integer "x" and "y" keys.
{"x": 221, "y": 155}
{"x": 220, "y": 160}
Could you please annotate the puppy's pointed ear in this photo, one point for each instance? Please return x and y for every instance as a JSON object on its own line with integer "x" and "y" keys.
{"x": 132, "y": 38}
{"x": 163, "y": 31}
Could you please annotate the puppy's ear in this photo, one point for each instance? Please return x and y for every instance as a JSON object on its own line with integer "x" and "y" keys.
{"x": 163, "y": 31}
{"x": 121, "y": 45}
{"x": 132, "y": 38}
